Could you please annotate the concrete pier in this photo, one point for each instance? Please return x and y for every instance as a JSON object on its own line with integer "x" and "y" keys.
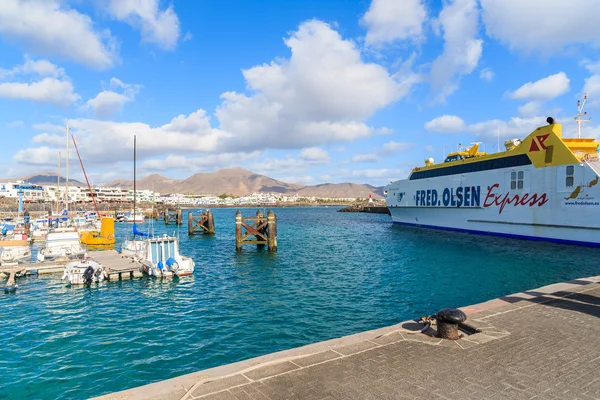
{"x": 542, "y": 343}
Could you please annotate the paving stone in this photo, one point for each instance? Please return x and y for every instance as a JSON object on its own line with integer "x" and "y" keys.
{"x": 355, "y": 348}
{"x": 270, "y": 370}
{"x": 219, "y": 384}
{"x": 316, "y": 358}
{"x": 538, "y": 348}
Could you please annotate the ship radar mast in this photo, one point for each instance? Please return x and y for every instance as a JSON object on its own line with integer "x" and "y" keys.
{"x": 581, "y": 113}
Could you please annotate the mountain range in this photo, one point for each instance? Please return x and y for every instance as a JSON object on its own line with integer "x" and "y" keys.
{"x": 234, "y": 181}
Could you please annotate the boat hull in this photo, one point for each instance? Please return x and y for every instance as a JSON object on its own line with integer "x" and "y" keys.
{"x": 75, "y": 273}
{"x": 543, "y": 204}
{"x": 431, "y": 219}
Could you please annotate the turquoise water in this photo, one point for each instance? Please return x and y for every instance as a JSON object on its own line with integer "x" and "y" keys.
{"x": 334, "y": 274}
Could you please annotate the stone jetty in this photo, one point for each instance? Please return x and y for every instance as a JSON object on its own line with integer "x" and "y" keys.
{"x": 541, "y": 343}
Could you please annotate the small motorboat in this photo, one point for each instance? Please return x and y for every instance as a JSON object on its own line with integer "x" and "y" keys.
{"x": 162, "y": 258}
{"x": 84, "y": 272}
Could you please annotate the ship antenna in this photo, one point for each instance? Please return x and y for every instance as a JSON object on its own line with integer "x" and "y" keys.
{"x": 580, "y": 114}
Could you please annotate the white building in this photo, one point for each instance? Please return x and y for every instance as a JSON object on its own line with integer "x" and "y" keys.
{"x": 29, "y": 191}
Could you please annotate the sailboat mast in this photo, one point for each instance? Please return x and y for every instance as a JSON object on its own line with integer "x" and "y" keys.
{"x": 86, "y": 178}
{"x": 67, "y": 175}
{"x": 58, "y": 186}
{"x": 134, "y": 179}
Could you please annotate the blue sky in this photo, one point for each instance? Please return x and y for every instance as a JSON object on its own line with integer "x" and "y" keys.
{"x": 306, "y": 91}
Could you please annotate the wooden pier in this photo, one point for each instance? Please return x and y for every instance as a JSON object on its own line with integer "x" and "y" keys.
{"x": 174, "y": 216}
{"x": 263, "y": 229}
{"x": 204, "y": 224}
{"x": 117, "y": 266}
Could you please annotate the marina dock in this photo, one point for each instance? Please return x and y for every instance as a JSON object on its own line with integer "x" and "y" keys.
{"x": 117, "y": 267}
{"x": 540, "y": 343}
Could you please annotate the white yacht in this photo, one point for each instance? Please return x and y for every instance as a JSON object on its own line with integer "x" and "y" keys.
{"x": 61, "y": 243}
{"x": 161, "y": 258}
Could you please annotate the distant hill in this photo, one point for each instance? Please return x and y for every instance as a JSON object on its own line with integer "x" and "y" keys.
{"x": 339, "y": 190}
{"x": 234, "y": 181}
{"x": 155, "y": 182}
{"x": 47, "y": 179}
{"x": 241, "y": 182}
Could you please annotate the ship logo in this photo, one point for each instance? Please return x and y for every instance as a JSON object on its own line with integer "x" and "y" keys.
{"x": 578, "y": 189}
{"x": 537, "y": 143}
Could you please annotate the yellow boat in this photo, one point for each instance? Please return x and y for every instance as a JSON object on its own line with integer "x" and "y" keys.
{"x": 106, "y": 236}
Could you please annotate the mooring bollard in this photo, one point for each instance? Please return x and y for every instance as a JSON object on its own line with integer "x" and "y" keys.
{"x": 261, "y": 227}
{"x": 256, "y": 230}
{"x": 173, "y": 216}
{"x": 447, "y": 322}
{"x": 206, "y": 223}
{"x": 272, "y": 230}
{"x": 238, "y": 230}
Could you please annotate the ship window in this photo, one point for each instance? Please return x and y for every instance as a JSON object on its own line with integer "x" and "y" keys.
{"x": 570, "y": 177}
{"x": 513, "y": 180}
{"x": 520, "y": 180}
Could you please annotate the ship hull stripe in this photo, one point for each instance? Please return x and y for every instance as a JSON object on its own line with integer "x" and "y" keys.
{"x": 501, "y": 234}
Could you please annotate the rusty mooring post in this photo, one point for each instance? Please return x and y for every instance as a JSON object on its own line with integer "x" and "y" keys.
{"x": 238, "y": 230}
{"x": 173, "y": 216}
{"x": 206, "y": 223}
{"x": 272, "y": 231}
{"x": 261, "y": 229}
{"x": 447, "y": 323}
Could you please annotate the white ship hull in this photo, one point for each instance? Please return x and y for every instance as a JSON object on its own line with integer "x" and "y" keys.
{"x": 540, "y": 204}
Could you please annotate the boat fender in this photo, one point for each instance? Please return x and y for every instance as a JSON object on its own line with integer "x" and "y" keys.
{"x": 160, "y": 265}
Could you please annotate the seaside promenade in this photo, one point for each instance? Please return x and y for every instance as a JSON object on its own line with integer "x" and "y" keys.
{"x": 539, "y": 344}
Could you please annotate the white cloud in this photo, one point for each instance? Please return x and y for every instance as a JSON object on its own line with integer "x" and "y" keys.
{"x": 314, "y": 155}
{"x": 486, "y": 74}
{"x": 446, "y": 124}
{"x": 109, "y": 102}
{"x": 395, "y": 147}
{"x": 390, "y": 20}
{"x": 54, "y": 88}
{"x": 459, "y": 21}
{"x": 49, "y": 28}
{"x": 530, "y": 109}
{"x": 429, "y": 148}
{"x": 15, "y": 124}
{"x": 206, "y": 163}
{"x": 323, "y": 93}
{"x": 365, "y": 157}
{"x": 156, "y": 26}
{"x": 517, "y": 126}
{"x": 306, "y": 179}
{"x": 544, "y": 89}
{"x": 544, "y": 26}
{"x": 105, "y": 142}
{"x": 592, "y": 88}
{"x": 387, "y": 149}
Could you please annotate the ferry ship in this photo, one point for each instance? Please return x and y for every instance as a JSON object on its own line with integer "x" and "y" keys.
{"x": 544, "y": 187}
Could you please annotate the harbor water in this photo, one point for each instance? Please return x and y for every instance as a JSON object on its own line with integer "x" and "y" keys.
{"x": 334, "y": 274}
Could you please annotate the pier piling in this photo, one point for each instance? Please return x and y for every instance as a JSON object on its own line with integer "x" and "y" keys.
{"x": 204, "y": 224}
{"x": 173, "y": 216}
{"x": 264, "y": 231}
{"x": 11, "y": 284}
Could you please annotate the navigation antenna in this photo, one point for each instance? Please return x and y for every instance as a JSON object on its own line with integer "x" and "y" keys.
{"x": 580, "y": 114}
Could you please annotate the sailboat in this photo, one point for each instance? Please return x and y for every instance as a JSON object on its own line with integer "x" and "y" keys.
{"x": 159, "y": 255}
{"x": 106, "y": 236}
{"x": 62, "y": 243}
